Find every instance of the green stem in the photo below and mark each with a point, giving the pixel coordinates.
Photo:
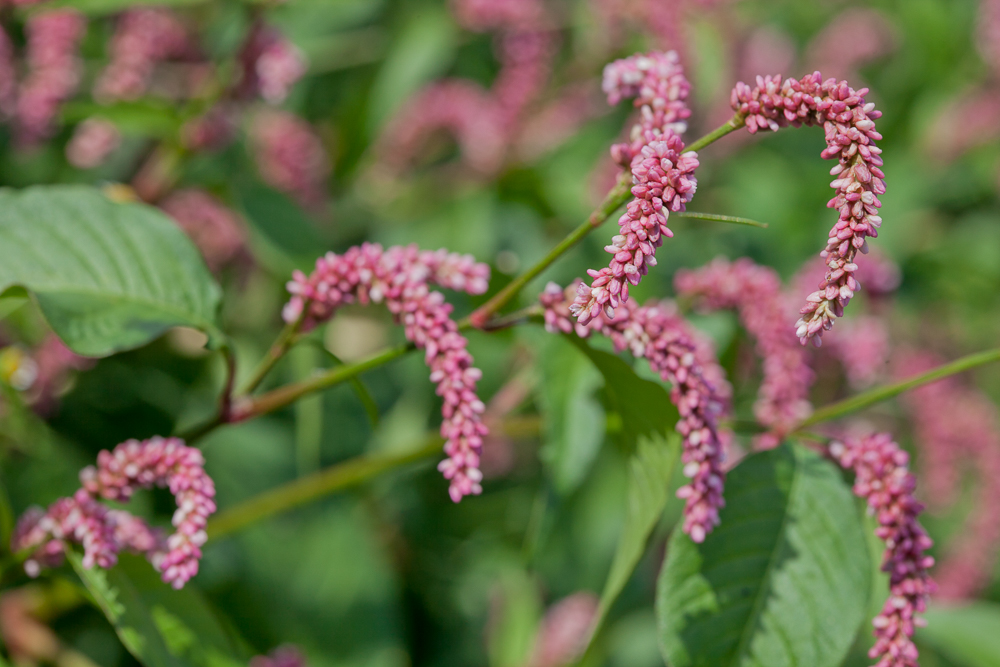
(278, 349)
(615, 199)
(719, 218)
(248, 408)
(731, 125)
(612, 202)
(879, 394)
(306, 489)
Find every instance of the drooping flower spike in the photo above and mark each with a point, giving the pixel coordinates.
(662, 175)
(756, 293)
(400, 277)
(883, 479)
(104, 533)
(657, 334)
(849, 124)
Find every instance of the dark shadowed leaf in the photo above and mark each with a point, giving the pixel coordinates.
(644, 406)
(107, 276)
(783, 581)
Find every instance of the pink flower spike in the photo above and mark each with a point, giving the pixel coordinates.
(848, 122)
(658, 334)
(400, 277)
(883, 478)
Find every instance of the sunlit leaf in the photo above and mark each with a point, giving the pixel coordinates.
(784, 580)
(107, 276)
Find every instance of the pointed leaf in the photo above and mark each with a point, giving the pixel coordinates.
(969, 635)
(574, 418)
(644, 406)
(783, 581)
(107, 276)
(157, 624)
(650, 471)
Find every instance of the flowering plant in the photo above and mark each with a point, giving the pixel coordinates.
(229, 226)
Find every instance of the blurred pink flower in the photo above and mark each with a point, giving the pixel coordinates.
(400, 276)
(564, 631)
(271, 65)
(217, 231)
(93, 141)
(848, 122)
(862, 345)
(957, 426)
(283, 656)
(53, 70)
(8, 77)
(290, 156)
(882, 477)
(755, 292)
(988, 33)
(856, 36)
(54, 364)
(970, 120)
(143, 37)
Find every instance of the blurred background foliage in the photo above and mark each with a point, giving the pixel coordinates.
(392, 573)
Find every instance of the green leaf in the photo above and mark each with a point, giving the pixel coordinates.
(159, 625)
(784, 580)
(574, 418)
(279, 220)
(419, 53)
(650, 471)
(644, 406)
(107, 276)
(969, 635)
(103, 7)
(115, 595)
(143, 118)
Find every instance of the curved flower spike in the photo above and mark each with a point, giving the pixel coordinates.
(849, 124)
(883, 479)
(658, 334)
(400, 277)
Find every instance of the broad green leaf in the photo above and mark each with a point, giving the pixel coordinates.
(783, 581)
(574, 418)
(518, 612)
(158, 625)
(116, 596)
(644, 406)
(968, 635)
(107, 276)
(650, 471)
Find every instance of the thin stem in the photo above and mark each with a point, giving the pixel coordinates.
(873, 396)
(248, 408)
(278, 349)
(612, 202)
(731, 125)
(615, 199)
(306, 489)
(720, 218)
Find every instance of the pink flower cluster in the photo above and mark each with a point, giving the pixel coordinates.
(53, 70)
(103, 533)
(884, 480)
(400, 277)
(656, 80)
(484, 123)
(657, 334)
(93, 141)
(849, 124)
(565, 631)
(143, 38)
(216, 230)
(955, 426)
(755, 292)
(290, 156)
(271, 65)
(663, 177)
